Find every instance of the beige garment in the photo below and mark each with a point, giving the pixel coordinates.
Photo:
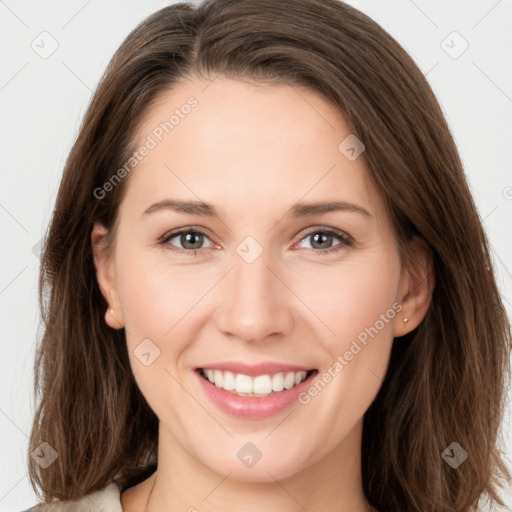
(107, 499)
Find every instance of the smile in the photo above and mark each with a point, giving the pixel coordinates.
(255, 396)
(258, 386)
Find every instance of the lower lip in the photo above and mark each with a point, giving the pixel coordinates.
(253, 407)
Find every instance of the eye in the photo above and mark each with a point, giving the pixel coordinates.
(191, 241)
(322, 239)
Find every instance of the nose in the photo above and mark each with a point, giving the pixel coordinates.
(254, 303)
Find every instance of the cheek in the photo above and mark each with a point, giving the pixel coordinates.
(157, 305)
(361, 311)
(352, 298)
(154, 297)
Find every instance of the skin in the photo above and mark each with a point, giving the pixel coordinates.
(253, 151)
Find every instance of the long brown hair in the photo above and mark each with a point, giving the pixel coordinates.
(446, 380)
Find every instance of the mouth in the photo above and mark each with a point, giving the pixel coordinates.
(256, 386)
(253, 392)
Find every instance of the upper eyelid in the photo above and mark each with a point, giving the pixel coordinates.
(173, 233)
(326, 229)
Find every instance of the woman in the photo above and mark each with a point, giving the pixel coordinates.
(266, 285)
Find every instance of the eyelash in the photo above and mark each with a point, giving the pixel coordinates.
(345, 240)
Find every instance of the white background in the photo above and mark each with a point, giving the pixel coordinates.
(43, 100)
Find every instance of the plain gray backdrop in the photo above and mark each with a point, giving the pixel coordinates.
(52, 56)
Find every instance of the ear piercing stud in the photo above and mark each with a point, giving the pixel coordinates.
(405, 319)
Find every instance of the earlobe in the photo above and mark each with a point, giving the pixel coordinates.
(105, 276)
(416, 287)
(111, 319)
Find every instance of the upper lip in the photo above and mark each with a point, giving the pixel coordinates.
(255, 369)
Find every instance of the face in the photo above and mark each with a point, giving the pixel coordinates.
(262, 287)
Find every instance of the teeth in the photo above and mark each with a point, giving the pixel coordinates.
(289, 380)
(278, 382)
(262, 385)
(243, 383)
(219, 378)
(229, 381)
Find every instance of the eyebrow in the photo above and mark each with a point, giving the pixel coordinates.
(298, 210)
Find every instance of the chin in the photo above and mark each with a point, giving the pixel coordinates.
(250, 464)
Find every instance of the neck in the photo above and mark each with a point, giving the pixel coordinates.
(183, 483)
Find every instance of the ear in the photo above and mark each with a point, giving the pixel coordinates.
(105, 274)
(416, 286)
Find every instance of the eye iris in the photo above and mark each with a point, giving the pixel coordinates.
(323, 236)
(195, 239)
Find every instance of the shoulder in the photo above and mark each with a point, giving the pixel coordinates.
(107, 499)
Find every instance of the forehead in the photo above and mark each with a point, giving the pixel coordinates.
(246, 145)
